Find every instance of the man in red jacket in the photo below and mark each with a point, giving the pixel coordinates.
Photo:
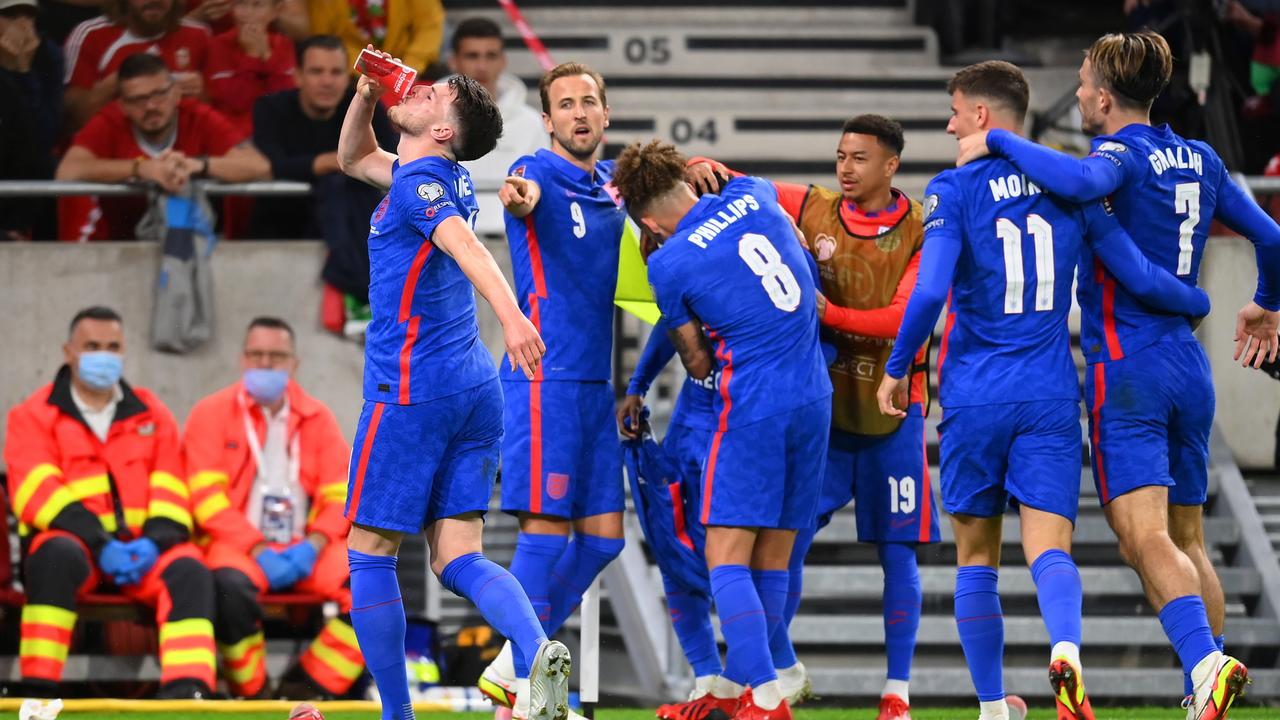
(267, 468)
(94, 475)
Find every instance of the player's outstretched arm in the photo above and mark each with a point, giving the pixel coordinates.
(691, 344)
(524, 345)
(880, 322)
(1258, 321)
(938, 260)
(1074, 179)
(358, 153)
(519, 195)
(1153, 285)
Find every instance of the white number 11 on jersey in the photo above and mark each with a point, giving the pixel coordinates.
(1042, 234)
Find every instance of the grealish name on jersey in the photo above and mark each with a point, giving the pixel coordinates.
(1180, 157)
(738, 209)
(1012, 186)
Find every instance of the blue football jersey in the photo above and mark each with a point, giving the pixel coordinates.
(1166, 203)
(734, 264)
(1006, 338)
(564, 256)
(422, 342)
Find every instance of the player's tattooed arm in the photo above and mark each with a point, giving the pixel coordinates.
(691, 345)
(358, 153)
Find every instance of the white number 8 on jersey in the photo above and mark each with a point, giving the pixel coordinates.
(775, 277)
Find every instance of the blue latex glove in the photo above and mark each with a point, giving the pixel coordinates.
(279, 571)
(302, 555)
(118, 561)
(143, 552)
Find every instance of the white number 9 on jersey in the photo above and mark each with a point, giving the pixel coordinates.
(775, 277)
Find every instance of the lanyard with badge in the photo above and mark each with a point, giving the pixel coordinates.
(279, 503)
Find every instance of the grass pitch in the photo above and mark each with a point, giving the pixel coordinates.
(1037, 713)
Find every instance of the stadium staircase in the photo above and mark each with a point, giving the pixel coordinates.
(764, 86)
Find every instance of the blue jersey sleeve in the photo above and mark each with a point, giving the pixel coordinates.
(667, 291)
(527, 166)
(657, 352)
(1153, 285)
(1240, 213)
(942, 243)
(1079, 181)
(427, 205)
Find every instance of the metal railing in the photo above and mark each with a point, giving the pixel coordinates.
(263, 188)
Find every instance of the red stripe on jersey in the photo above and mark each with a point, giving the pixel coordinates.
(365, 449)
(535, 257)
(926, 492)
(946, 339)
(1108, 310)
(535, 444)
(411, 280)
(677, 513)
(726, 373)
(1099, 397)
(406, 357)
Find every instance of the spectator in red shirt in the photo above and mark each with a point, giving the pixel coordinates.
(96, 48)
(152, 134)
(248, 61)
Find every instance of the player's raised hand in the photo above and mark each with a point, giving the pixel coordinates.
(892, 396)
(524, 345)
(1256, 330)
(367, 87)
(706, 176)
(971, 148)
(629, 408)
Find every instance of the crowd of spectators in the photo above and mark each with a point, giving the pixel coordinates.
(163, 92)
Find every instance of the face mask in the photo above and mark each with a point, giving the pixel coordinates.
(265, 386)
(100, 369)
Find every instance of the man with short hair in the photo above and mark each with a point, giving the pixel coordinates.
(152, 134)
(561, 459)
(267, 464)
(1153, 484)
(1004, 252)
(478, 53)
(730, 266)
(431, 427)
(298, 131)
(95, 478)
(866, 238)
(97, 47)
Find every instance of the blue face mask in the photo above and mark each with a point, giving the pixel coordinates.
(265, 386)
(100, 369)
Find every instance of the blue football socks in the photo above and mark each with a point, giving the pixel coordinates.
(377, 614)
(584, 558)
(780, 645)
(500, 599)
(535, 557)
(980, 622)
(1187, 625)
(1057, 582)
(902, 598)
(742, 621)
(691, 618)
